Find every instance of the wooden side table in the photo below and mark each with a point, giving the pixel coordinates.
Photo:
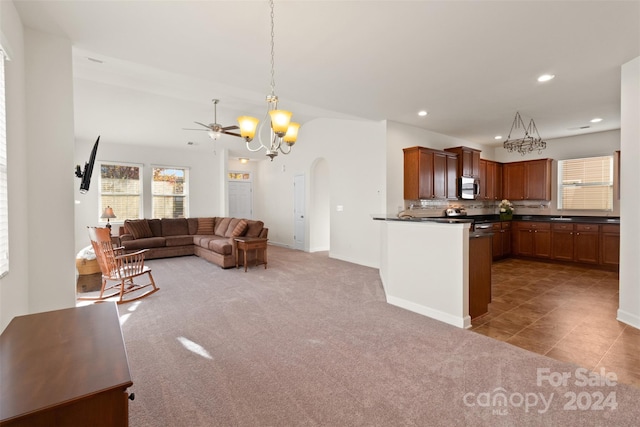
(245, 244)
(65, 367)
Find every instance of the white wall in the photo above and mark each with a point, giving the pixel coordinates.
(50, 147)
(14, 287)
(40, 151)
(355, 154)
(629, 310)
(587, 145)
(205, 178)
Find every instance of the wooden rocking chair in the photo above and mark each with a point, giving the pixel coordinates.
(118, 267)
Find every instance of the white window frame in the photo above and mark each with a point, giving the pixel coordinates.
(578, 185)
(184, 195)
(121, 215)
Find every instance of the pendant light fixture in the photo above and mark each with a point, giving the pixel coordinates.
(529, 142)
(283, 132)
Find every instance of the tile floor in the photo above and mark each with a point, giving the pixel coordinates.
(567, 313)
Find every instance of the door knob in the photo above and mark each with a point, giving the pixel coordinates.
(132, 396)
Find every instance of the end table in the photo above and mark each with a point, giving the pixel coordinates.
(245, 244)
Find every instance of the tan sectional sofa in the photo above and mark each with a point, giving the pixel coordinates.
(211, 238)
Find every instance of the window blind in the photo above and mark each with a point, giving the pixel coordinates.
(169, 189)
(4, 204)
(586, 183)
(120, 188)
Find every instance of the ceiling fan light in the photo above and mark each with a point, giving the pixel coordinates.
(280, 121)
(214, 135)
(292, 133)
(248, 127)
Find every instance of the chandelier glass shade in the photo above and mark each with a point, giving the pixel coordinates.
(281, 130)
(530, 141)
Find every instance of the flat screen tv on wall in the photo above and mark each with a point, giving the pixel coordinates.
(85, 175)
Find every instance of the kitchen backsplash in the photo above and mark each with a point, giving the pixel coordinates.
(436, 208)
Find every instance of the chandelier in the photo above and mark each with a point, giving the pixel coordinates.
(529, 142)
(283, 133)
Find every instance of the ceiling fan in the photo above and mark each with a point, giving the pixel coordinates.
(214, 129)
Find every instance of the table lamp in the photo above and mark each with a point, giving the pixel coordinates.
(108, 213)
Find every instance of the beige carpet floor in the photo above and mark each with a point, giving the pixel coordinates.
(310, 341)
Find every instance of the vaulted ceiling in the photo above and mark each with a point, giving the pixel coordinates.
(144, 70)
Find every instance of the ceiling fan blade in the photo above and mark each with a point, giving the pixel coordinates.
(202, 124)
(231, 133)
(231, 127)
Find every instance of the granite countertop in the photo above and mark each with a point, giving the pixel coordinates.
(439, 219)
(479, 219)
(551, 218)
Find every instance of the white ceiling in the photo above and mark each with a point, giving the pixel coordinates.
(471, 64)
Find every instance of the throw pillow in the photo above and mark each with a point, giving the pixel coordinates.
(205, 226)
(239, 229)
(222, 226)
(139, 228)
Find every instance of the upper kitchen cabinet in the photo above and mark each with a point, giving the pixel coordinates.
(528, 180)
(468, 161)
(490, 180)
(429, 174)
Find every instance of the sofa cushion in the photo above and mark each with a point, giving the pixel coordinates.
(221, 246)
(254, 228)
(221, 227)
(139, 228)
(179, 240)
(193, 225)
(156, 227)
(174, 227)
(205, 225)
(146, 243)
(239, 229)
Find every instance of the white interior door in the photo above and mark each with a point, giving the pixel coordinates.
(240, 204)
(298, 212)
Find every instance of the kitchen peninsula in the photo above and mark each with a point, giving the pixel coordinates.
(424, 266)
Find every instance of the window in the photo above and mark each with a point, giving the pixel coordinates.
(586, 184)
(121, 188)
(4, 204)
(170, 191)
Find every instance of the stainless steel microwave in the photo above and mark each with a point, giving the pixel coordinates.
(468, 188)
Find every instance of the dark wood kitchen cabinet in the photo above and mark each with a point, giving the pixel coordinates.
(531, 239)
(513, 181)
(501, 239)
(490, 180)
(528, 180)
(479, 274)
(575, 242)
(610, 245)
(468, 161)
(429, 174)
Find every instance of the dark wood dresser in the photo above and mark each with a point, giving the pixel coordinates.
(65, 368)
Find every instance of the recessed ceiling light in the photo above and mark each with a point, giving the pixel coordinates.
(497, 137)
(243, 159)
(422, 113)
(545, 77)
(596, 120)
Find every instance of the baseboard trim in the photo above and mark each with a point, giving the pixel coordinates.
(629, 319)
(459, 322)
